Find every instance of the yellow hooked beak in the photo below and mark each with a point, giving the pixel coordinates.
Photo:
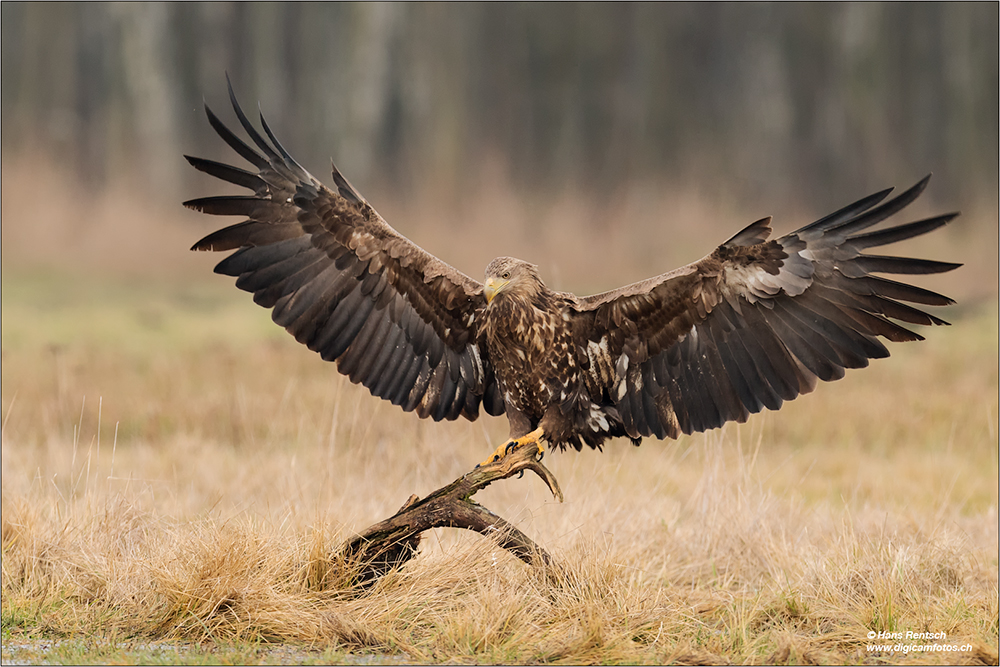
(493, 285)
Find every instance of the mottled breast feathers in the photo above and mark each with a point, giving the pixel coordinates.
(753, 324)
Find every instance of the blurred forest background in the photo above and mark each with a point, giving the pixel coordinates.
(769, 109)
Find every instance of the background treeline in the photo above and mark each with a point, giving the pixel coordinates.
(734, 99)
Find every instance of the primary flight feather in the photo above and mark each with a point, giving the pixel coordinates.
(755, 323)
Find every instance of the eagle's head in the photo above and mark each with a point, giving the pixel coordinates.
(510, 276)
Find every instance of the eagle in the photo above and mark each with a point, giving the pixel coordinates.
(756, 322)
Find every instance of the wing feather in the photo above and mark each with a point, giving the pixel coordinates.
(334, 339)
(773, 357)
(228, 173)
(750, 388)
(414, 385)
(343, 282)
(759, 322)
(394, 341)
(811, 352)
(727, 395)
(704, 412)
(356, 359)
(286, 286)
(395, 370)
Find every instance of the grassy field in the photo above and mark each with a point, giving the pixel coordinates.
(176, 472)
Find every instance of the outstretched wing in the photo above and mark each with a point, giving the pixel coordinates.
(757, 322)
(346, 284)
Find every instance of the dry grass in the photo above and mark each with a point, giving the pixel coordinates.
(177, 468)
(197, 490)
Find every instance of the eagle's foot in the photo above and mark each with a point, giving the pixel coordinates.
(533, 438)
(513, 458)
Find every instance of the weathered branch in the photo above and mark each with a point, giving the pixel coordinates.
(391, 543)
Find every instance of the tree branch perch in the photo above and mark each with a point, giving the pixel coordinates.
(390, 543)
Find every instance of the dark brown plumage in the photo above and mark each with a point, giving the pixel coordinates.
(751, 325)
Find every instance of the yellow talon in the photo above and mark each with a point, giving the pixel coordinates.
(535, 438)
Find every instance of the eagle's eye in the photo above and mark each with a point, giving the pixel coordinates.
(505, 275)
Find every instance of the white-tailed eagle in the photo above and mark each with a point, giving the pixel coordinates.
(755, 323)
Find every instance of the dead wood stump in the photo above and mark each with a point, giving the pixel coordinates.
(390, 543)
